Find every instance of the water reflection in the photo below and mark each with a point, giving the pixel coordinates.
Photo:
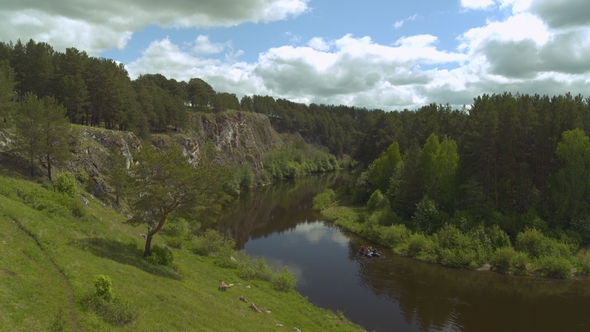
(394, 293)
(275, 208)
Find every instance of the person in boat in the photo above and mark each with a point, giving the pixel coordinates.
(363, 250)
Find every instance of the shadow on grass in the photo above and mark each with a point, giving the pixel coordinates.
(124, 253)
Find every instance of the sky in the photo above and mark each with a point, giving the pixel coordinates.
(378, 54)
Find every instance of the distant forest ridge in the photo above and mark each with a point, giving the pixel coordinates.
(98, 91)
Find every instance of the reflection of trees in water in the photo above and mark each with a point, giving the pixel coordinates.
(440, 298)
(275, 208)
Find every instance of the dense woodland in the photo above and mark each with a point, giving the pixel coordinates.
(508, 159)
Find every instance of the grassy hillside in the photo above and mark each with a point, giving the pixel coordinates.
(52, 247)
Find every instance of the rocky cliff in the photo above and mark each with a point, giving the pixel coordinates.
(237, 137)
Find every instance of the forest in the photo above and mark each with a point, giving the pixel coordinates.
(512, 160)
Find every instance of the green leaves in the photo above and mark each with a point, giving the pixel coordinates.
(572, 180)
(165, 183)
(43, 130)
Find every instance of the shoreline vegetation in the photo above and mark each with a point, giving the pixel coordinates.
(479, 248)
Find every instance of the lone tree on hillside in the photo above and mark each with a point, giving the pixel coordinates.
(164, 184)
(43, 131)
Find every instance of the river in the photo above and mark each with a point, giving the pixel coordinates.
(392, 293)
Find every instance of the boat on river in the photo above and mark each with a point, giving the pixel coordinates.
(369, 252)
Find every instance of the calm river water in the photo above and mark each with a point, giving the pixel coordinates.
(392, 293)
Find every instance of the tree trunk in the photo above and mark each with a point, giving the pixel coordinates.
(49, 168)
(148, 245)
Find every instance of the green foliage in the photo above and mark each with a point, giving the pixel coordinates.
(7, 84)
(554, 267)
(427, 216)
(160, 256)
(383, 168)
(292, 162)
(103, 287)
(164, 184)
(395, 235)
(501, 259)
(583, 263)
(519, 263)
(253, 268)
(324, 200)
(43, 131)
(177, 233)
(242, 178)
(377, 201)
(65, 183)
(572, 184)
(212, 242)
(113, 309)
(420, 246)
(458, 249)
(285, 280)
(83, 176)
(498, 237)
(51, 201)
(537, 245)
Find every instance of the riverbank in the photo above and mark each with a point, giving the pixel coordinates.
(53, 248)
(533, 254)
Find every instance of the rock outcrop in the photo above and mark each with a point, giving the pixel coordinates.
(237, 137)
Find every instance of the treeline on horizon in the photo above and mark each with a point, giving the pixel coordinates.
(508, 169)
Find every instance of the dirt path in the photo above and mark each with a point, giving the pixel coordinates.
(70, 294)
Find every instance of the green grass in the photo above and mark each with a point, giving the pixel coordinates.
(48, 262)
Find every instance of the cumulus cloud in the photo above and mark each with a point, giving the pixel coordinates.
(318, 44)
(348, 70)
(562, 13)
(477, 4)
(96, 25)
(204, 46)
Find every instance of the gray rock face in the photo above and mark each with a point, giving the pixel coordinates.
(237, 137)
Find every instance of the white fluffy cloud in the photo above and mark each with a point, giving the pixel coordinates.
(527, 46)
(96, 25)
(477, 4)
(348, 70)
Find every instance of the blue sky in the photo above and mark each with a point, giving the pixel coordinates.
(376, 54)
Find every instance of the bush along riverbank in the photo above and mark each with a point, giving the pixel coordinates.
(531, 253)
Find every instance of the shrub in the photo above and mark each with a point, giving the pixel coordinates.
(519, 263)
(498, 237)
(253, 268)
(534, 243)
(324, 200)
(554, 267)
(103, 287)
(389, 218)
(458, 249)
(112, 309)
(65, 183)
(51, 201)
(160, 256)
(583, 263)
(394, 235)
(502, 258)
(211, 242)
(284, 280)
(420, 246)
